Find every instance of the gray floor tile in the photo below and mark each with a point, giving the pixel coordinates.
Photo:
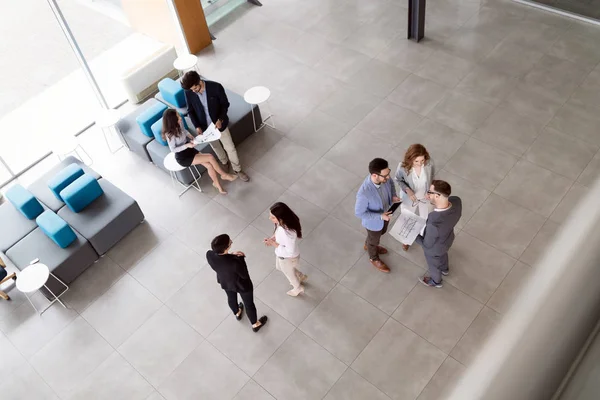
(512, 59)
(377, 78)
(461, 112)
(349, 104)
(440, 316)
(204, 374)
(25, 383)
(344, 212)
(510, 287)
(570, 46)
(113, 379)
(260, 259)
(569, 203)
(318, 132)
(475, 337)
(71, 356)
(308, 48)
(508, 131)
(417, 94)
(272, 292)
(445, 69)
(285, 162)
(167, 268)
(588, 93)
(468, 160)
(342, 63)
(527, 181)
(591, 173)
(560, 153)
(11, 357)
(580, 121)
(325, 184)
(471, 45)
(296, 363)
(381, 363)
(389, 122)
(352, 386)
(201, 302)
(137, 244)
(335, 26)
(343, 323)
(538, 37)
(333, 247)
(160, 345)
(249, 199)
(492, 22)
(371, 39)
(477, 268)
(309, 89)
(538, 246)
(247, 349)
(556, 77)
(253, 391)
(505, 225)
(532, 102)
(385, 291)
(443, 381)
(254, 147)
(405, 54)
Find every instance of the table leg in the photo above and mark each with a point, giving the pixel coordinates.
(84, 152)
(196, 177)
(32, 305)
(270, 116)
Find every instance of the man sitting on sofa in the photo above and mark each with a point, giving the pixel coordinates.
(207, 103)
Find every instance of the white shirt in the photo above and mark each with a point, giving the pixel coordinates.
(288, 247)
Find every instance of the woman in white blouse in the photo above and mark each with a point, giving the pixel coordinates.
(414, 176)
(285, 240)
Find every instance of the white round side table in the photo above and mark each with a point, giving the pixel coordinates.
(63, 145)
(185, 63)
(107, 120)
(33, 278)
(255, 96)
(173, 166)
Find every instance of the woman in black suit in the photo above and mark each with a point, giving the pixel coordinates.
(233, 276)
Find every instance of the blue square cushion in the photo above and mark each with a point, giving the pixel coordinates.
(150, 116)
(172, 92)
(64, 178)
(81, 193)
(157, 130)
(56, 228)
(24, 201)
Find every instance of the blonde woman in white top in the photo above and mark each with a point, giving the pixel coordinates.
(414, 176)
(285, 240)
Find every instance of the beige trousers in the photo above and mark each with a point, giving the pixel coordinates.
(289, 267)
(225, 150)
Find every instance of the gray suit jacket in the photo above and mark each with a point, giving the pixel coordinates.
(405, 180)
(439, 229)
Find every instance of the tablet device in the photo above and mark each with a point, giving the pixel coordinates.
(394, 207)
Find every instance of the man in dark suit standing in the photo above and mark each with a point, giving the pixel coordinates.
(208, 103)
(233, 276)
(439, 231)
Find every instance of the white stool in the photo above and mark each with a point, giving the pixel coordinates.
(107, 121)
(185, 63)
(173, 166)
(33, 278)
(258, 95)
(63, 145)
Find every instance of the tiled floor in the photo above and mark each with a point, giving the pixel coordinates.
(504, 96)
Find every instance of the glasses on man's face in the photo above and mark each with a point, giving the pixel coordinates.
(432, 192)
(385, 176)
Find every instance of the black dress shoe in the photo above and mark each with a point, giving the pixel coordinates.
(263, 321)
(241, 311)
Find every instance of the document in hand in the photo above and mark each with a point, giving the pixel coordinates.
(407, 227)
(210, 134)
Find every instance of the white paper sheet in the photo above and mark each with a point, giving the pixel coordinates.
(210, 134)
(407, 227)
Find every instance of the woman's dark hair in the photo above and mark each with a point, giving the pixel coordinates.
(171, 126)
(220, 243)
(191, 78)
(287, 218)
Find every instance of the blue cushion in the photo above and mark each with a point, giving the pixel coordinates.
(24, 201)
(56, 228)
(157, 130)
(81, 193)
(150, 116)
(64, 178)
(172, 92)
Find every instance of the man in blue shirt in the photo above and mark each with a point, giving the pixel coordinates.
(373, 199)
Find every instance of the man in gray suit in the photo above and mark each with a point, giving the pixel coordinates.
(439, 231)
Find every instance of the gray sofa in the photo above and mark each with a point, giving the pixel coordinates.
(98, 227)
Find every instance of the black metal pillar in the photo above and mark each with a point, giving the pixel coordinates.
(416, 19)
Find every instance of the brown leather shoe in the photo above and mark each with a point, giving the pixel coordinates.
(380, 250)
(380, 265)
(405, 247)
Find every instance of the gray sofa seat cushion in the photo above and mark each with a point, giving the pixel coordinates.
(132, 133)
(15, 226)
(40, 189)
(67, 264)
(107, 219)
(158, 152)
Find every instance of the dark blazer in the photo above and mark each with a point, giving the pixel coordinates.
(439, 229)
(218, 104)
(232, 272)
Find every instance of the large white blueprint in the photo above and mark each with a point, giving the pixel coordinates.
(407, 227)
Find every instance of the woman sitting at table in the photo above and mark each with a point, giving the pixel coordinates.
(181, 142)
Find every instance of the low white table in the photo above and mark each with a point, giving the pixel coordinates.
(185, 63)
(33, 278)
(107, 121)
(173, 166)
(258, 95)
